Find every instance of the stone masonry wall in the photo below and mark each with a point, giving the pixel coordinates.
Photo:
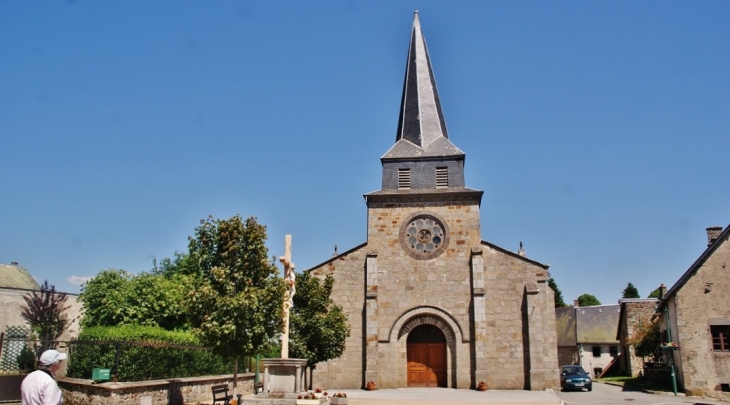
(637, 315)
(518, 299)
(155, 392)
(348, 292)
(383, 290)
(697, 305)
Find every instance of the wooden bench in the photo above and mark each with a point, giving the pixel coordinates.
(220, 394)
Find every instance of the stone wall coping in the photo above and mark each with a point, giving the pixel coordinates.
(121, 386)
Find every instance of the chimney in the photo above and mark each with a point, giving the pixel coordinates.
(576, 304)
(662, 291)
(713, 233)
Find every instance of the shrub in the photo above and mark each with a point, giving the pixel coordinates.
(144, 353)
(26, 360)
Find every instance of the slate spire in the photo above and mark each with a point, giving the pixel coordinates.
(421, 122)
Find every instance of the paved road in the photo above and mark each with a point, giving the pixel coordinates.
(604, 394)
(447, 396)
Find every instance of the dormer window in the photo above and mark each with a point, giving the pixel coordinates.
(404, 179)
(442, 177)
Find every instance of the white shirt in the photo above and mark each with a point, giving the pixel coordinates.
(39, 388)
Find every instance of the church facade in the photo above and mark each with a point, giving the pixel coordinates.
(429, 303)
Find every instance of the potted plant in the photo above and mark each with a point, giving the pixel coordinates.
(339, 399)
(319, 393)
(371, 386)
(482, 386)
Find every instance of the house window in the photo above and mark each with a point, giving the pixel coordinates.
(720, 338)
(613, 350)
(404, 178)
(596, 351)
(725, 387)
(442, 177)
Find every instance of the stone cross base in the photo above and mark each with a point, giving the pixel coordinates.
(284, 375)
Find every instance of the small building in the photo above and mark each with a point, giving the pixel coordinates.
(587, 336)
(567, 345)
(636, 314)
(15, 283)
(596, 328)
(697, 314)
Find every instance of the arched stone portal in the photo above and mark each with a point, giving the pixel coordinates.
(438, 322)
(426, 355)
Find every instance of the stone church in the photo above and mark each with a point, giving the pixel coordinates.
(429, 303)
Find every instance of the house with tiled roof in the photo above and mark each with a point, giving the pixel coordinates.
(15, 283)
(587, 336)
(694, 316)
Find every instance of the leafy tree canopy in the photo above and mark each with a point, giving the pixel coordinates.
(318, 328)
(647, 342)
(630, 292)
(45, 311)
(655, 293)
(587, 300)
(236, 304)
(180, 264)
(116, 297)
(559, 302)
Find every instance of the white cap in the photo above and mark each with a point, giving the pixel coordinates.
(50, 357)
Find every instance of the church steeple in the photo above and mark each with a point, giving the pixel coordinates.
(421, 123)
(423, 159)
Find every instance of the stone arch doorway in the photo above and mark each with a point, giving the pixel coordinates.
(426, 357)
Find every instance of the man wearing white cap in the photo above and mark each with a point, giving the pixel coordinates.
(39, 387)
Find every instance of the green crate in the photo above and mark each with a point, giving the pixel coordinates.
(101, 374)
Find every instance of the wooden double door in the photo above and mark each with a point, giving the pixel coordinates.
(426, 351)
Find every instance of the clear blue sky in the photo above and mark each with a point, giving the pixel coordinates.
(598, 131)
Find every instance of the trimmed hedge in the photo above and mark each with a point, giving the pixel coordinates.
(145, 353)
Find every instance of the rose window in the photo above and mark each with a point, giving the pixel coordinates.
(424, 236)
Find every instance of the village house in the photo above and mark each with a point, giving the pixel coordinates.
(697, 315)
(587, 336)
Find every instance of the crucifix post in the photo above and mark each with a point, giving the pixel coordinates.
(289, 296)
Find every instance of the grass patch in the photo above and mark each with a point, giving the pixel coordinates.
(638, 382)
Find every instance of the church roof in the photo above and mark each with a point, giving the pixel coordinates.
(421, 126)
(15, 276)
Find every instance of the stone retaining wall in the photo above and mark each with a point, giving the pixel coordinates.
(178, 391)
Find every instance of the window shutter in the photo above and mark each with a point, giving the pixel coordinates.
(404, 178)
(442, 177)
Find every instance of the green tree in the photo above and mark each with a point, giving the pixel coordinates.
(587, 300)
(45, 311)
(180, 264)
(630, 292)
(559, 302)
(647, 342)
(101, 297)
(116, 297)
(236, 306)
(318, 328)
(655, 293)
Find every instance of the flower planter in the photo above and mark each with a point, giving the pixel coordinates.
(338, 401)
(482, 386)
(309, 401)
(371, 386)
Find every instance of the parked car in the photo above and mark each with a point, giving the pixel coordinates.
(574, 378)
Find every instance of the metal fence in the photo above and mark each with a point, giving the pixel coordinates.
(137, 360)
(13, 342)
